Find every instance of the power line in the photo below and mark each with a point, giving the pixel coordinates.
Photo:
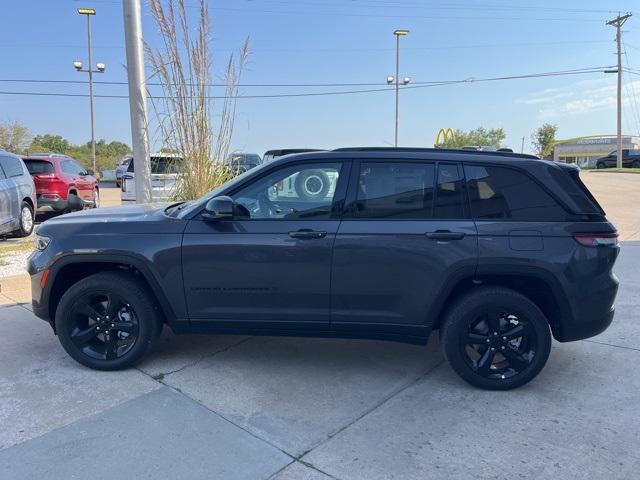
(296, 85)
(373, 15)
(407, 5)
(344, 92)
(334, 50)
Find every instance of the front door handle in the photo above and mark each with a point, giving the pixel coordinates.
(445, 235)
(305, 234)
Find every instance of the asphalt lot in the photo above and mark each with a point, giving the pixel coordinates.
(289, 408)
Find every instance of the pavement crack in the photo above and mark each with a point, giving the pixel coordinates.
(613, 345)
(161, 375)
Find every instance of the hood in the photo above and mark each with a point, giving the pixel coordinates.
(129, 219)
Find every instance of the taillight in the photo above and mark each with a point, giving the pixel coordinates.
(45, 176)
(597, 239)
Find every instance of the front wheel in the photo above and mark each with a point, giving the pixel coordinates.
(600, 166)
(107, 321)
(96, 198)
(496, 338)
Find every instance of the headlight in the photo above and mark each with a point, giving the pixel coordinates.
(42, 242)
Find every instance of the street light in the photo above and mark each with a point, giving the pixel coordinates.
(100, 68)
(396, 80)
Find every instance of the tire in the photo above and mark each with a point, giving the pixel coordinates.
(87, 310)
(312, 184)
(26, 221)
(96, 198)
(600, 166)
(507, 355)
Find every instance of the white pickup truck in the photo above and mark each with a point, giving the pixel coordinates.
(165, 168)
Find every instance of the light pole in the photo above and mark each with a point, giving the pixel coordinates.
(100, 67)
(396, 80)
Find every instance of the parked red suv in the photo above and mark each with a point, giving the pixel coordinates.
(62, 184)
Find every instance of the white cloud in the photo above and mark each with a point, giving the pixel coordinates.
(580, 98)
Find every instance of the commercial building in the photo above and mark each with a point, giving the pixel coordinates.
(586, 150)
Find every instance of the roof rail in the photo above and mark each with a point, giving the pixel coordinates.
(437, 150)
(47, 154)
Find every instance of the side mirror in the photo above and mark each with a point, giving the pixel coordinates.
(90, 172)
(219, 208)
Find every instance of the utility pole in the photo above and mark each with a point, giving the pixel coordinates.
(89, 12)
(137, 99)
(618, 22)
(522, 147)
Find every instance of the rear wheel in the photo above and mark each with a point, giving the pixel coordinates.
(107, 321)
(496, 338)
(600, 166)
(25, 221)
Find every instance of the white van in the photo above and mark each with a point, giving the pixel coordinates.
(165, 168)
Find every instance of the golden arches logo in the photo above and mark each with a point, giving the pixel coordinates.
(444, 136)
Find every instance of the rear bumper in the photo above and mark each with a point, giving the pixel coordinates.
(51, 205)
(585, 327)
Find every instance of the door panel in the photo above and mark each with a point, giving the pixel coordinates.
(399, 243)
(390, 272)
(271, 264)
(254, 271)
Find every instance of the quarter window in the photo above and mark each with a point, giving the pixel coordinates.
(12, 166)
(497, 192)
(292, 193)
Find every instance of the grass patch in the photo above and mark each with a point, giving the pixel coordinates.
(615, 170)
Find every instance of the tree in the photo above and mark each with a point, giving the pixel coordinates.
(49, 143)
(107, 153)
(479, 136)
(543, 138)
(14, 137)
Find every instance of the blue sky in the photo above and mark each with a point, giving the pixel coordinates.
(344, 41)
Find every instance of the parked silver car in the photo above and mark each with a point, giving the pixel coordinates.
(17, 196)
(121, 168)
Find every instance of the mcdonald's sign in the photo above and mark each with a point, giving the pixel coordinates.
(444, 136)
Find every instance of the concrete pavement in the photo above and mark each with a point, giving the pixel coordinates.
(281, 408)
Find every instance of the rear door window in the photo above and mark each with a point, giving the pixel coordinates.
(505, 193)
(70, 167)
(395, 190)
(39, 166)
(450, 192)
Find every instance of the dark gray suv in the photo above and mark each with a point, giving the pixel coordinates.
(498, 251)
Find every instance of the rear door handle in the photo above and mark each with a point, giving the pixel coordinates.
(307, 234)
(445, 235)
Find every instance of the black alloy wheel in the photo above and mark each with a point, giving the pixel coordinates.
(498, 344)
(104, 326)
(496, 338)
(108, 321)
